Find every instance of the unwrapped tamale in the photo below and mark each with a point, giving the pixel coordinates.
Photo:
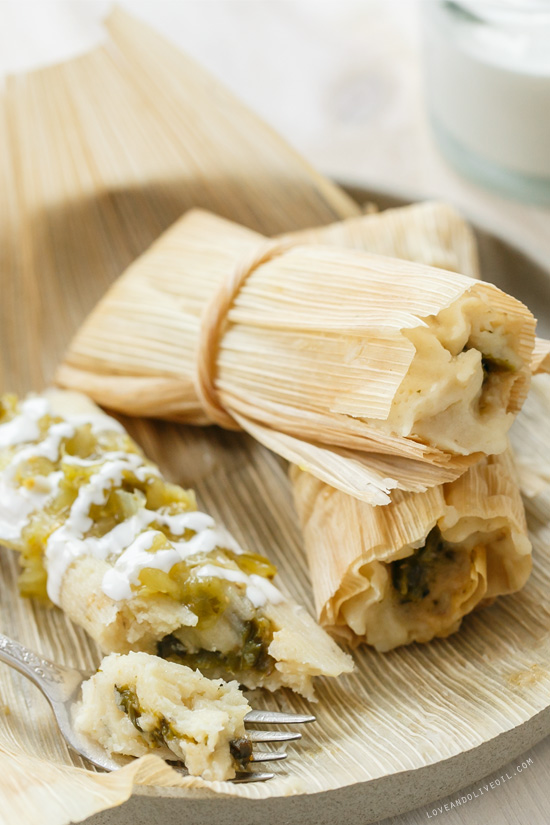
(128, 557)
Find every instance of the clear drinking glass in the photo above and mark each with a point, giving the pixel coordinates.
(487, 70)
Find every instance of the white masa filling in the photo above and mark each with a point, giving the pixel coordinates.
(180, 713)
(446, 398)
(379, 615)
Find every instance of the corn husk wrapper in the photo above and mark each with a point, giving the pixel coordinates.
(164, 386)
(530, 438)
(431, 233)
(290, 343)
(69, 794)
(540, 362)
(350, 544)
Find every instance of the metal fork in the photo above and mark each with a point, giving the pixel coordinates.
(62, 688)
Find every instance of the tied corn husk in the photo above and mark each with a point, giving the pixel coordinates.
(164, 386)
(351, 547)
(301, 358)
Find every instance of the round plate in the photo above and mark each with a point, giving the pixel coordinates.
(406, 727)
(409, 726)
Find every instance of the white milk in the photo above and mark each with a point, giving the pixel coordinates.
(488, 87)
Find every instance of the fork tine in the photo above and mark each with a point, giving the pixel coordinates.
(241, 777)
(274, 717)
(271, 736)
(267, 756)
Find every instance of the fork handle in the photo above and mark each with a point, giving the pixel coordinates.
(50, 678)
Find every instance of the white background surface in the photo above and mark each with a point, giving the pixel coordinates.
(341, 80)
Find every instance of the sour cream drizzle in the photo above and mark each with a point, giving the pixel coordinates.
(258, 589)
(127, 547)
(18, 502)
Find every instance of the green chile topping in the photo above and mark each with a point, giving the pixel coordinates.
(492, 365)
(241, 750)
(412, 575)
(252, 655)
(207, 598)
(128, 702)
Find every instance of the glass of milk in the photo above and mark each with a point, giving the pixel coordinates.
(487, 72)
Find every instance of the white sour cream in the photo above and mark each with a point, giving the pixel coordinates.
(259, 590)
(24, 427)
(19, 501)
(117, 582)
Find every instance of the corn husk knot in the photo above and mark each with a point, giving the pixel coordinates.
(212, 326)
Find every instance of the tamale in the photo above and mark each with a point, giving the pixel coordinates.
(128, 557)
(355, 583)
(430, 233)
(373, 373)
(410, 571)
(138, 704)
